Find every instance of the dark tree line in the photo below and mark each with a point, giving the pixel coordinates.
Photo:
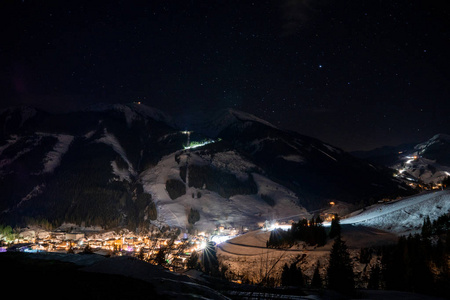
(193, 216)
(292, 275)
(335, 229)
(219, 181)
(312, 232)
(175, 188)
(419, 263)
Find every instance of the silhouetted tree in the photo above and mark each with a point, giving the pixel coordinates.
(141, 254)
(175, 188)
(209, 260)
(335, 229)
(340, 270)
(192, 262)
(193, 216)
(311, 232)
(365, 254)
(316, 281)
(374, 279)
(280, 238)
(292, 276)
(160, 258)
(87, 249)
(427, 228)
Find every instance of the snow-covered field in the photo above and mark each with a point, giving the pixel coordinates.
(248, 256)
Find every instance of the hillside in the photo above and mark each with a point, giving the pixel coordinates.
(403, 216)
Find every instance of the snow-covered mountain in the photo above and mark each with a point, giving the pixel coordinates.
(129, 165)
(428, 162)
(212, 123)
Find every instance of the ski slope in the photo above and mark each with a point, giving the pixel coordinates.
(403, 216)
(236, 211)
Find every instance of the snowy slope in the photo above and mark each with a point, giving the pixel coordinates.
(236, 211)
(403, 216)
(426, 170)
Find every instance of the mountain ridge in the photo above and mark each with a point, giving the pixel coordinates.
(125, 165)
(425, 162)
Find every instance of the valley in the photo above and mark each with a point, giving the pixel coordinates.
(126, 181)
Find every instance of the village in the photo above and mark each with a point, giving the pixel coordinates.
(170, 248)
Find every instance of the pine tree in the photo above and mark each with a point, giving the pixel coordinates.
(316, 281)
(427, 229)
(285, 276)
(335, 229)
(210, 262)
(141, 254)
(340, 270)
(374, 279)
(160, 258)
(192, 262)
(292, 276)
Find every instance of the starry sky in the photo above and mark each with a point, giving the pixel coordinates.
(356, 74)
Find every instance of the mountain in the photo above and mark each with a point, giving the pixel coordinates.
(386, 155)
(316, 171)
(427, 162)
(81, 165)
(130, 165)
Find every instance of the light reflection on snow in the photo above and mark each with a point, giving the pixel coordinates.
(221, 238)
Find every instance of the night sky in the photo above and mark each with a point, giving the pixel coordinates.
(356, 74)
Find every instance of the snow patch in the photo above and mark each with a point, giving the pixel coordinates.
(89, 134)
(110, 140)
(435, 139)
(36, 191)
(121, 173)
(53, 158)
(249, 117)
(332, 149)
(11, 141)
(293, 158)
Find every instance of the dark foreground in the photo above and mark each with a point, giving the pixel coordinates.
(91, 276)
